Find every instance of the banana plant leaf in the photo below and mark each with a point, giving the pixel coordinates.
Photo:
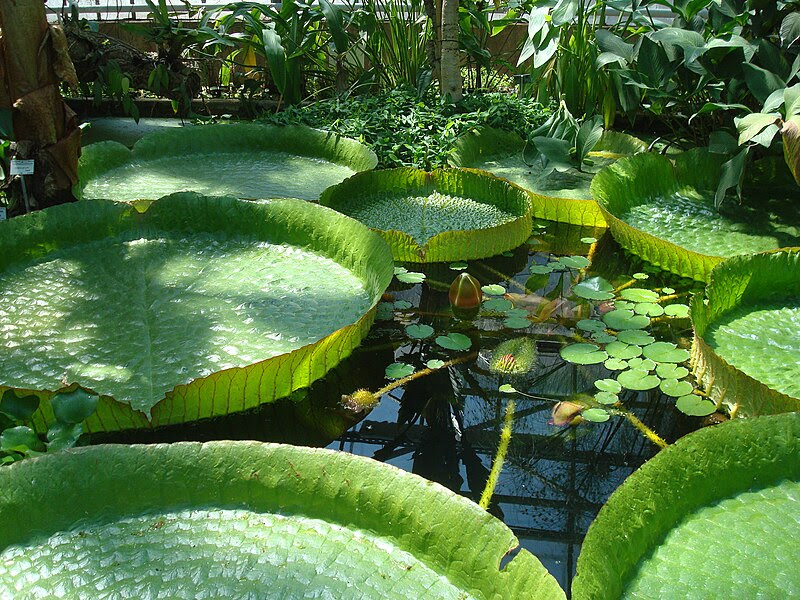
(247, 519)
(198, 307)
(450, 214)
(715, 515)
(558, 195)
(243, 160)
(746, 348)
(662, 210)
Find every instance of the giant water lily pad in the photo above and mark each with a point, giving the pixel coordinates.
(198, 307)
(445, 215)
(244, 160)
(248, 520)
(746, 349)
(125, 130)
(557, 196)
(715, 515)
(662, 209)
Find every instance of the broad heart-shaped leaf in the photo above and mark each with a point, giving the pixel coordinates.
(740, 479)
(71, 407)
(196, 308)
(18, 406)
(556, 196)
(244, 160)
(446, 215)
(277, 514)
(746, 349)
(663, 210)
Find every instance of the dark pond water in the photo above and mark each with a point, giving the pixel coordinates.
(446, 426)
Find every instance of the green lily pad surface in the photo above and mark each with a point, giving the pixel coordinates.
(715, 515)
(243, 160)
(663, 211)
(244, 519)
(440, 216)
(558, 195)
(746, 350)
(125, 130)
(207, 294)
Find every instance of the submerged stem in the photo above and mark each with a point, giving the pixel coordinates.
(644, 429)
(499, 459)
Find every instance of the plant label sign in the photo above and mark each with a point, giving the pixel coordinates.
(3, 215)
(21, 167)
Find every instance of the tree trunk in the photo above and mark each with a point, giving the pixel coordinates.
(432, 47)
(450, 83)
(33, 60)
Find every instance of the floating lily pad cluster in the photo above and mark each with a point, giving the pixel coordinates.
(621, 342)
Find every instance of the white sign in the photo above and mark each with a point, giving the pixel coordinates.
(3, 215)
(21, 167)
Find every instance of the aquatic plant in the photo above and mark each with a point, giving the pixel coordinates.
(746, 348)
(276, 513)
(662, 209)
(465, 296)
(446, 215)
(197, 307)
(516, 356)
(560, 194)
(715, 514)
(244, 160)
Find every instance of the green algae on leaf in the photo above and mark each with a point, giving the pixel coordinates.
(723, 519)
(441, 216)
(275, 513)
(243, 160)
(177, 313)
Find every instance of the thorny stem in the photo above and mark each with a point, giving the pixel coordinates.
(500, 457)
(644, 429)
(624, 286)
(422, 373)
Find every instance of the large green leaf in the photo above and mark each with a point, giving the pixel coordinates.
(198, 307)
(713, 516)
(557, 195)
(451, 214)
(746, 349)
(125, 130)
(663, 211)
(244, 160)
(245, 519)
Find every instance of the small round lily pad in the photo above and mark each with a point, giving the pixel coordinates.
(665, 352)
(594, 288)
(434, 363)
(583, 354)
(695, 406)
(591, 325)
(678, 311)
(675, 388)
(638, 379)
(398, 370)
(459, 265)
(516, 323)
(595, 415)
(419, 332)
(671, 371)
(649, 309)
(639, 295)
(637, 337)
(493, 290)
(588, 240)
(606, 397)
(507, 388)
(541, 269)
(615, 364)
(454, 341)
(601, 337)
(623, 351)
(575, 262)
(620, 319)
(498, 304)
(608, 385)
(402, 304)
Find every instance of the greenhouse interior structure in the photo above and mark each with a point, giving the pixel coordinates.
(400, 299)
